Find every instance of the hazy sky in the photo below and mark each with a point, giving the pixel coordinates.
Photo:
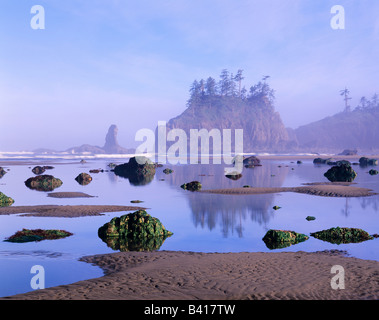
(131, 62)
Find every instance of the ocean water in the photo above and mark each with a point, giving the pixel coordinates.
(200, 222)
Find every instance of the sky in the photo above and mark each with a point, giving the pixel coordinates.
(131, 63)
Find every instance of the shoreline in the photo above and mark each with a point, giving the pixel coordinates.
(177, 275)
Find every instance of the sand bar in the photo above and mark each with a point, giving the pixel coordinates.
(69, 195)
(170, 275)
(65, 211)
(316, 189)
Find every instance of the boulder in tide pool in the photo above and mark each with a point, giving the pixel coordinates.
(137, 231)
(275, 239)
(83, 178)
(139, 170)
(5, 201)
(340, 235)
(28, 235)
(364, 161)
(43, 183)
(341, 173)
(191, 186)
(373, 172)
(2, 172)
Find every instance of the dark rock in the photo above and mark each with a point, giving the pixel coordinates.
(342, 235)
(275, 239)
(167, 171)
(139, 170)
(2, 172)
(251, 162)
(321, 161)
(137, 231)
(373, 172)
(5, 201)
(83, 178)
(309, 218)
(43, 183)
(342, 173)
(192, 186)
(299, 162)
(276, 207)
(27, 235)
(234, 175)
(364, 161)
(38, 170)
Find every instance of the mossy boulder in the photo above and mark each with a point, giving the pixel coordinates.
(38, 170)
(137, 231)
(192, 186)
(29, 235)
(340, 235)
(310, 218)
(5, 201)
(83, 178)
(341, 173)
(364, 161)
(2, 172)
(373, 172)
(43, 183)
(276, 239)
(139, 170)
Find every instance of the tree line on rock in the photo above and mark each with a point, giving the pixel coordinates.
(230, 85)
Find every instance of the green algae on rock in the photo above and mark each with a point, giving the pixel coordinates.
(341, 173)
(191, 186)
(137, 231)
(276, 239)
(83, 178)
(310, 218)
(167, 171)
(43, 183)
(2, 172)
(29, 235)
(5, 201)
(340, 235)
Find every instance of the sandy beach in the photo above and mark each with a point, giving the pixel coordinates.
(65, 211)
(166, 275)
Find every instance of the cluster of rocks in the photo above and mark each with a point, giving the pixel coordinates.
(276, 239)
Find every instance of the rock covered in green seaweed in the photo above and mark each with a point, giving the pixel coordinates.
(43, 183)
(275, 239)
(340, 235)
(137, 231)
(167, 171)
(5, 201)
(341, 173)
(83, 178)
(139, 170)
(29, 235)
(191, 186)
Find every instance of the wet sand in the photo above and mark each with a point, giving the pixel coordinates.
(169, 275)
(316, 189)
(65, 211)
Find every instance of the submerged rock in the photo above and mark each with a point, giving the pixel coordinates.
(191, 186)
(373, 172)
(139, 170)
(28, 235)
(83, 178)
(137, 231)
(341, 173)
(43, 183)
(275, 239)
(5, 201)
(342, 235)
